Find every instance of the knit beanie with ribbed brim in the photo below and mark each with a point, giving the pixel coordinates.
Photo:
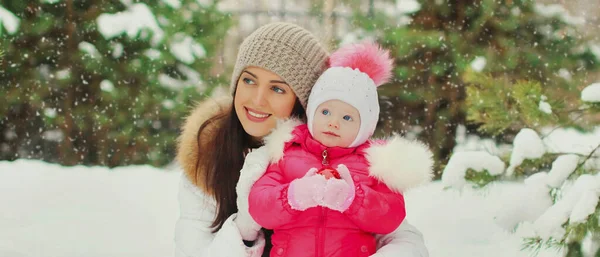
(291, 52)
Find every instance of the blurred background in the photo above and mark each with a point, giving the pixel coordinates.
(109, 82)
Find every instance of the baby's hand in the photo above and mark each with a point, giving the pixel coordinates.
(329, 173)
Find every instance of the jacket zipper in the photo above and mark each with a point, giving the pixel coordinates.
(321, 227)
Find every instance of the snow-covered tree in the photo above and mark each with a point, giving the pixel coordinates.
(562, 172)
(437, 42)
(103, 82)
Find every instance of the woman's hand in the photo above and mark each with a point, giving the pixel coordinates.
(255, 165)
(339, 193)
(306, 192)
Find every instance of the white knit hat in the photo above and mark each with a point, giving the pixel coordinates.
(353, 77)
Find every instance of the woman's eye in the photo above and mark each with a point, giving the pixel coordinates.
(347, 117)
(325, 112)
(248, 81)
(277, 90)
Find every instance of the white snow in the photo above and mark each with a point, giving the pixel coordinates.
(591, 93)
(519, 202)
(107, 86)
(590, 245)
(565, 74)
(595, 48)
(153, 54)
(185, 49)
(354, 36)
(562, 168)
(526, 145)
(545, 106)
(50, 112)
(408, 6)
(532, 212)
(170, 82)
(478, 64)
(133, 21)
(460, 162)
(465, 222)
(550, 223)
(63, 74)
(175, 4)
(89, 49)
(585, 206)
(208, 3)
(55, 135)
(468, 142)
(49, 210)
(192, 79)
(516, 11)
(593, 163)
(557, 10)
(571, 141)
(168, 104)
(9, 21)
(117, 50)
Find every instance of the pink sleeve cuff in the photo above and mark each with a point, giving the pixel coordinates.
(289, 202)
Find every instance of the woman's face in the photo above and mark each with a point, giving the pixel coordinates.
(261, 97)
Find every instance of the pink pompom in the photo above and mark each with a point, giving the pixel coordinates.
(366, 57)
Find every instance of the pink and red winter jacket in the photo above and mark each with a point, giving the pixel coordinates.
(319, 231)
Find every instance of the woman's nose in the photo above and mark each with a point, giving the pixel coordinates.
(260, 97)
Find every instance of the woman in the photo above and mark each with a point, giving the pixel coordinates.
(276, 68)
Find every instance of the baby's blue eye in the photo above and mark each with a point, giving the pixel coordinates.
(325, 112)
(347, 117)
(248, 81)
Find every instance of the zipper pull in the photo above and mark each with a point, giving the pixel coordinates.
(325, 162)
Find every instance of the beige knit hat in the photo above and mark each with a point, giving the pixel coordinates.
(291, 52)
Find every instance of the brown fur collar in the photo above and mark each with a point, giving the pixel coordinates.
(187, 144)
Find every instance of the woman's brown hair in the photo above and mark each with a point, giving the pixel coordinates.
(225, 153)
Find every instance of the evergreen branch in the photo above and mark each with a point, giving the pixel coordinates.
(561, 126)
(563, 153)
(480, 178)
(587, 157)
(535, 244)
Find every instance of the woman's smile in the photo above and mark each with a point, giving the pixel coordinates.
(256, 116)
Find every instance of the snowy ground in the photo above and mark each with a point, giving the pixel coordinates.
(49, 210)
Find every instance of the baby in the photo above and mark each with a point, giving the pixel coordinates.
(329, 189)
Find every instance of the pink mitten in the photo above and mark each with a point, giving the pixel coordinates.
(306, 192)
(339, 193)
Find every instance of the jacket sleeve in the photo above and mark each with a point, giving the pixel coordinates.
(193, 232)
(379, 203)
(268, 202)
(405, 241)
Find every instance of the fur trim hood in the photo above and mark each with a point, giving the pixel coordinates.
(187, 143)
(396, 161)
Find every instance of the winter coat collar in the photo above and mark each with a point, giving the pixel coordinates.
(396, 161)
(302, 137)
(187, 144)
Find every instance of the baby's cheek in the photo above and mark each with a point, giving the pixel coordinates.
(347, 140)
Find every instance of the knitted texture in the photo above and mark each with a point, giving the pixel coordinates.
(291, 52)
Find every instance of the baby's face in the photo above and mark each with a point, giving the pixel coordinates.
(335, 123)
